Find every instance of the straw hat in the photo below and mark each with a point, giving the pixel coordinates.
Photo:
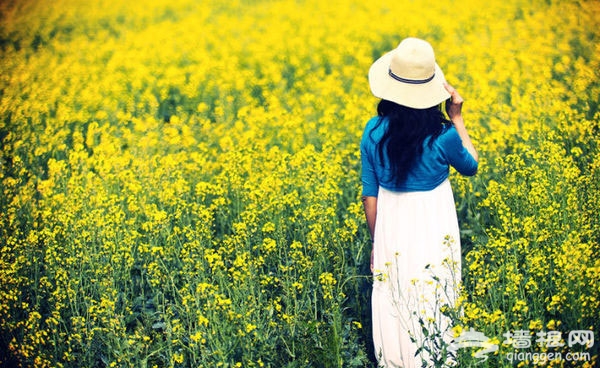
(409, 76)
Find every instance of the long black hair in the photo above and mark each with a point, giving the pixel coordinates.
(406, 131)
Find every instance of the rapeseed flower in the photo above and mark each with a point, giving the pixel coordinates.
(180, 179)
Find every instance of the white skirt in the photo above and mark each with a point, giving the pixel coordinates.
(416, 269)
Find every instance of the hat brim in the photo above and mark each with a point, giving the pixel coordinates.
(418, 96)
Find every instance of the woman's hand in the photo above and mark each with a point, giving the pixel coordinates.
(454, 111)
(454, 104)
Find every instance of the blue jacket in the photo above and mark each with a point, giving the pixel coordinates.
(429, 171)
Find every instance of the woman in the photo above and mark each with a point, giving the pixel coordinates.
(406, 153)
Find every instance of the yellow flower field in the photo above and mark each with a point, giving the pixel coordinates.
(181, 179)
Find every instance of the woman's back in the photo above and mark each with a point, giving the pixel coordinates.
(429, 170)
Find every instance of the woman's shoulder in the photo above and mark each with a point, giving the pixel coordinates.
(448, 138)
(448, 132)
(374, 127)
(373, 122)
